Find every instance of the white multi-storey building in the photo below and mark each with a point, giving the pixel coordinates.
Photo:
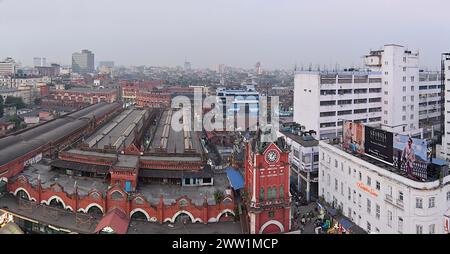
(378, 199)
(304, 161)
(322, 100)
(8, 67)
(390, 94)
(444, 149)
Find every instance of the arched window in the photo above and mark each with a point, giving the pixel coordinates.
(261, 194)
(281, 192)
(116, 195)
(274, 192)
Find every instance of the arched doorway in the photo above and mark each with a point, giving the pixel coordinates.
(95, 212)
(138, 215)
(22, 195)
(272, 229)
(226, 216)
(56, 203)
(183, 218)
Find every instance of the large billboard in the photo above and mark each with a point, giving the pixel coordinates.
(353, 136)
(410, 154)
(379, 144)
(401, 151)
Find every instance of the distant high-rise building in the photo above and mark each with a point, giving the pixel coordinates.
(83, 62)
(39, 61)
(8, 67)
(187, 66)
(258, 68)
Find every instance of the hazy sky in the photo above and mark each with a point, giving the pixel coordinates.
(279, 33)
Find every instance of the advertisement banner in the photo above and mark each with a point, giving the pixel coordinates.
(410, 154)
(353, 137)
(379, 144)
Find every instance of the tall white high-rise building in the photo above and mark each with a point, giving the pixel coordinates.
(39, 61)
(385, 94)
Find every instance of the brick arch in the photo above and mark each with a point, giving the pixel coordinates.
(55, 197)
(142, 211)
(271, 222)
(86, 210)
(24, 190)
(172, 220)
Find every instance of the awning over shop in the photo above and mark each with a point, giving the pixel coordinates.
(345, 224)
(235, 178)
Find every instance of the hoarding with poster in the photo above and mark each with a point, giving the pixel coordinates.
(410, 154)
(353, 137)
(379, 144)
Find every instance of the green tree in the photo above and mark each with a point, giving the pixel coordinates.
(15, 101)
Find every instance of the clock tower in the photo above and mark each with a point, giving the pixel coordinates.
(267, 198)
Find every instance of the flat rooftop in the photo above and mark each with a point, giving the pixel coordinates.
(390, 168)
(119, 130)
(305, 141)
(49, 177)
(151, 191)
(197, 194)
(171, 141)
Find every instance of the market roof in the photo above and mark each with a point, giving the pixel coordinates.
(17, 145)
(116, 220)
(206, 172)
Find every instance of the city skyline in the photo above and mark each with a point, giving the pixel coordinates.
(280, 35)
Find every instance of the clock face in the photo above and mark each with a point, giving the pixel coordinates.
(272, 156)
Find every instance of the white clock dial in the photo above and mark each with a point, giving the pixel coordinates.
(272, 156)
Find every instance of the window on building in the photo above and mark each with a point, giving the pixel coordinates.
(335, 184)
(403, 118)
(342, 166)
(377, 211)
(342, 188)
(350, 172)
(412, 98)
(349, 193)
(404, 98)
(335, 163)
(281, 192)
(369, 227)
(419, 229)
(412, 78)
(360, 176)
(328, 180)
(389, 190)
(389, 218)
(404, 59)
(400, 225)
(400, 195)
(369, 181)
(431, 229)
(411, 117)
(369, 206)
(448, 196)
(378, 186)
(431, 202)
(404, 108)
(261, 194)
(404, 68)
(359, 200)
(412, 88)
(271, 214)
(419, 203)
